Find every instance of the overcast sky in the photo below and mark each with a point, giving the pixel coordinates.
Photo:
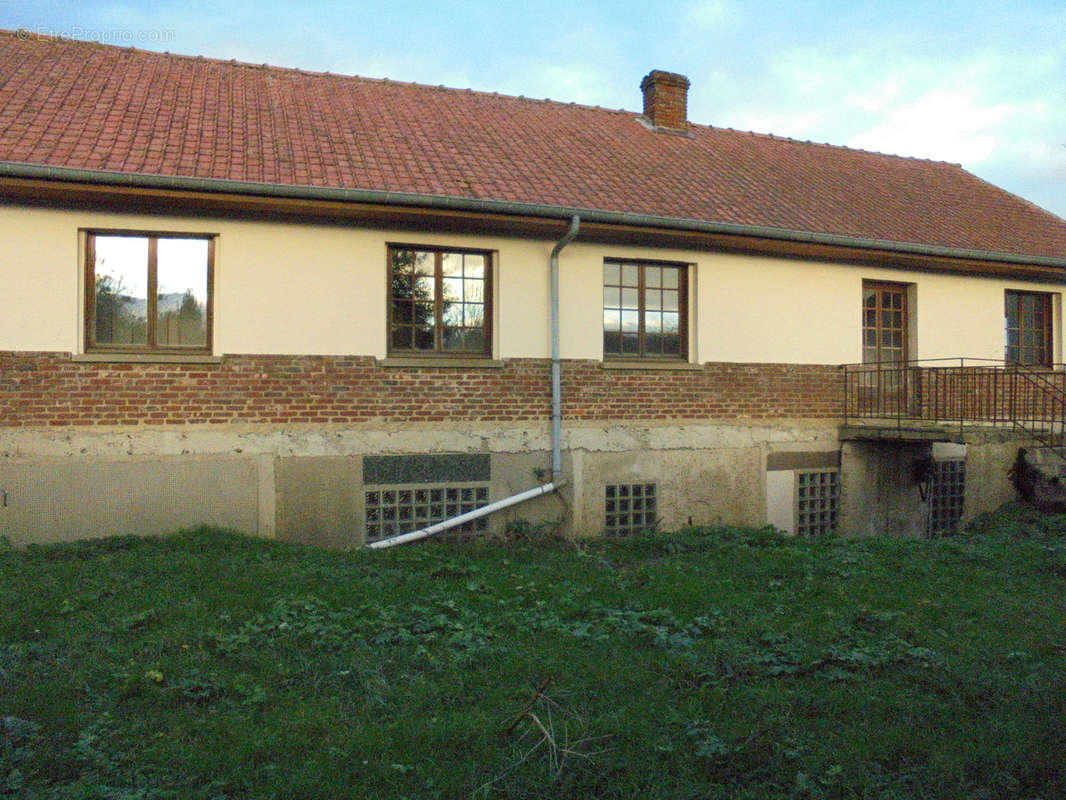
(979, 83)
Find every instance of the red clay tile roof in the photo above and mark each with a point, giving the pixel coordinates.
(88, 106)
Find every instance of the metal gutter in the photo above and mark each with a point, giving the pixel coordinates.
(10, 169)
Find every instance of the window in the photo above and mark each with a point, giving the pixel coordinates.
(1029, 328)
(148, 292)
(440, 302)
(630, 508)
(947, 495)
(395, 510)
(644, 310)
(817, 502)
(884, 322)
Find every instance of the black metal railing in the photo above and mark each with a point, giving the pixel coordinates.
(959, 391)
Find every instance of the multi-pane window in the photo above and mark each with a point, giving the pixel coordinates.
(884, 322)
(817, 502)
(630, 508)
(947, 495)
(439, 301)
(148, 292)
(395, 510)
(1028, 323)
(644, 310)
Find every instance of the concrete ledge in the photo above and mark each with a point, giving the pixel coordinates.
(650, 364)
(464, 363)
(147, 358)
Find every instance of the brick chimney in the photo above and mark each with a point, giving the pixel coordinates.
(666, 100)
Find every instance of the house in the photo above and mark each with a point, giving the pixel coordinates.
(323, 308)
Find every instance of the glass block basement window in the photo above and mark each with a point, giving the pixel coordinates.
(630, 508)
(393, 510)
(947, 490)
(817, 502)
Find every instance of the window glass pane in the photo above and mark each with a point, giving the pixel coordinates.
(612, 342)
(181, 298)
(453, 315)
(424, 288)
(612, 319)
(612, 273)
(671, 344)
(474, 266)
(653, 277)
(630, 298)
(630, 321)
(671, 300)
(473, 315)
(612, 297)
(452, 289)
(473, 290)
(671, 322)
(451, 264)
(653, 299)
(475, 340)
(424, 339)
(653, 322)
(630, 344)
(670, 277)
(401, 338)
(630, 275)
(121, 297)
(452, 338)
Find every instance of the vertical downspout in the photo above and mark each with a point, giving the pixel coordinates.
(557, 382)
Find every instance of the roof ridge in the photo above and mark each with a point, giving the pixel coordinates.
(275, 68)
(830, 145)
(25, 34)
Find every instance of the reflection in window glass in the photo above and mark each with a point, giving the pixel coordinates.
(123, 270)
(438, 301)
(643, 310)
(121, 281)
(181, 295)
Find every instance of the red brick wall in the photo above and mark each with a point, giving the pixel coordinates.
(38, 389)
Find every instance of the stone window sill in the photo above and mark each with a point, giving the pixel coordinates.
(147, 358)
(463, 363)
(650, 364)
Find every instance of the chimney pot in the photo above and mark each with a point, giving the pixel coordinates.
(666, 100)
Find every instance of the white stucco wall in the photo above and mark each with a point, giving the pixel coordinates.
(289, 288)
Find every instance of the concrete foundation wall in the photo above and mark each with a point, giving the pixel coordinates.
(306, 484)
(54, 501)
(880, 493)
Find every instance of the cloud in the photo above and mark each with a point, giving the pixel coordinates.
(712, 14)
(942, 124)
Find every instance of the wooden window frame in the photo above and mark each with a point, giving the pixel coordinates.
(152, 281)
(682, 306)
(1046, 349)
(901, 289)
(438, 350)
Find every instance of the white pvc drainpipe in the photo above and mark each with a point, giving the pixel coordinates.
(404, 538)
(557, 427)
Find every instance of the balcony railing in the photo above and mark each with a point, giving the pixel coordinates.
(958, 392)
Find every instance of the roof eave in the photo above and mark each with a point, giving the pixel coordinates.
(70, 175)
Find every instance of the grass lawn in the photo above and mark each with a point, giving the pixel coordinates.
(703, 664)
